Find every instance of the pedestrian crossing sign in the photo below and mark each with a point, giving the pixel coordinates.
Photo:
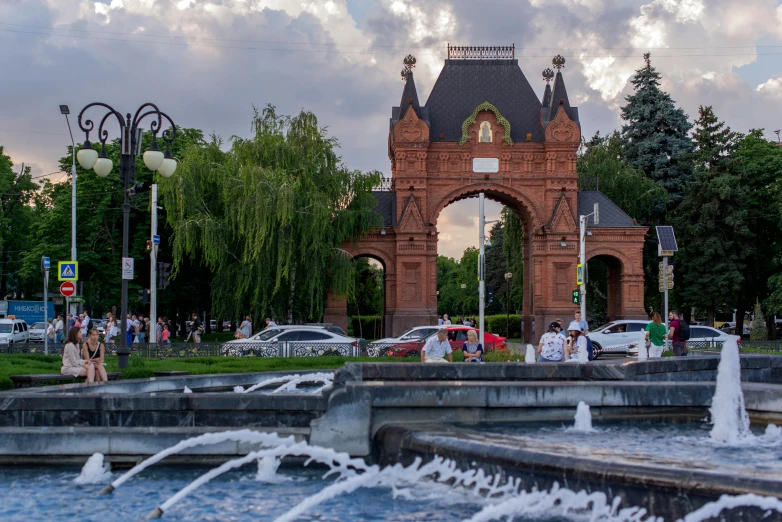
(68, 270)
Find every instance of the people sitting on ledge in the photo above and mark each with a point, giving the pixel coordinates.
(576, 344)
(472, 349)
(436, 348)
(72, 363)
(551, 347)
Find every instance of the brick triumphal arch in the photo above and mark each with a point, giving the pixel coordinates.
(483, 129)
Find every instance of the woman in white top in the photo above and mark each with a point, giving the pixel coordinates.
(576, 344)
(446, 320)
(551, 347)
(72, 363)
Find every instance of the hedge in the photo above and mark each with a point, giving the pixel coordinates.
(367, 326)
(496, 324)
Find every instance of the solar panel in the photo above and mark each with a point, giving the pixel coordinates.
(666, 239)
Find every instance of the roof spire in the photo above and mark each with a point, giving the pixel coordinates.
(409, 62)
(548, 75)
(409, 94)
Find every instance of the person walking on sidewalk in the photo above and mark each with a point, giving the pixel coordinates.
(674, 333)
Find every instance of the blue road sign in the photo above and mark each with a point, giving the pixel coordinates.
(46, 263)
(156, 239)
(68, 270)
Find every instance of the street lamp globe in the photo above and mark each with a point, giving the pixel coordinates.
(167, 168)
(103, 165)
(87, 156)
(153, 157)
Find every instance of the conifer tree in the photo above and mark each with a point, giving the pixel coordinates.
(712, 222)
(655, 135)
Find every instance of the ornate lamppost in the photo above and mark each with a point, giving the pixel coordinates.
(154, 159)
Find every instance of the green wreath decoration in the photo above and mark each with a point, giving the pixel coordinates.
(485, 106)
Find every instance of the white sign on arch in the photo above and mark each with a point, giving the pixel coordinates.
(487, 165)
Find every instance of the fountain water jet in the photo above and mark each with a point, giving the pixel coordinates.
(642, 352)
(289, 382)
(94, 471)
(728, 414)
(583, 419)
(529, 357)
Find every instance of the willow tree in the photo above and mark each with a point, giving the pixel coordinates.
(269, 215)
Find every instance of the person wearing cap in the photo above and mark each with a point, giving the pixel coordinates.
(551, 347)
(436, 348)
(576, 345)
(562, 332)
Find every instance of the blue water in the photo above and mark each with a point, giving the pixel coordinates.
(683, 441)
(49, 494)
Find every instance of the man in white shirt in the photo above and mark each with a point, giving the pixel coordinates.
(270, 323)
(436, 348)
(58, 336)
(85, 323)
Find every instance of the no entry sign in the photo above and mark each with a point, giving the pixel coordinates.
(67, 289)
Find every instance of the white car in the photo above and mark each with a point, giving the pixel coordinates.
(37, 332)
(703, 337)
(293, 341)
(418, 333)
(617, 337)
(13, 331)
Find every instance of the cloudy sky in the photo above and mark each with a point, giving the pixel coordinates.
(206, 63)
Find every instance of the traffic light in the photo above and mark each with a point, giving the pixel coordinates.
(144, 293)
(164, 273)
(576, 297)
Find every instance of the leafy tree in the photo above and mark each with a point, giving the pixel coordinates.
(602, 158)
(712, 222)
(759, 331)
(513, 248)
(269, 215)
(655, 135)
(368, 283)
(17, 192)
(759, 166)
(99, 232)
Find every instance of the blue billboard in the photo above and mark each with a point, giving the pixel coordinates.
(30, 311)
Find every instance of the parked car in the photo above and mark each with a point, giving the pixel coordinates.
(330, 327)
(617, 337)
(730, 328)
(413, 334)
(227, 325)
(457, 335)
(622, 337)
(299, 340)
(13, 331)
(100, 325)
(37, 332)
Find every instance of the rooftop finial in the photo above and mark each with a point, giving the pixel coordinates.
(548, 74)
(558, 62)
(409, 62)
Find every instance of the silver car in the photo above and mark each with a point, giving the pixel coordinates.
(297, 341)
(37, 332)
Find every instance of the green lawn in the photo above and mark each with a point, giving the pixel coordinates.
(26, 364)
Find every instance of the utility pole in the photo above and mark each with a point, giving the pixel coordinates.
(482, 253)
(155, 240)
(582, 233)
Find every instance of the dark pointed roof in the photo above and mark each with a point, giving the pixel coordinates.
(408, 93)
(409, 97)
(558, 94)
(547, 95)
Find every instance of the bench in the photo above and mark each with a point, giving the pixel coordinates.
(32, 381)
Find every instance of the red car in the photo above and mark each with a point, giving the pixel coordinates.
(457, 336)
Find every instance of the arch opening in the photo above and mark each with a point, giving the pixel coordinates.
(604, 289)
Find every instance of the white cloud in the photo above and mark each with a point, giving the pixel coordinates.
(772, 87)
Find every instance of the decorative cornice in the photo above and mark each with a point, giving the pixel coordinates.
(485, 106)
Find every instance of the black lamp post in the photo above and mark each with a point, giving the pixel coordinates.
(154, 159)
